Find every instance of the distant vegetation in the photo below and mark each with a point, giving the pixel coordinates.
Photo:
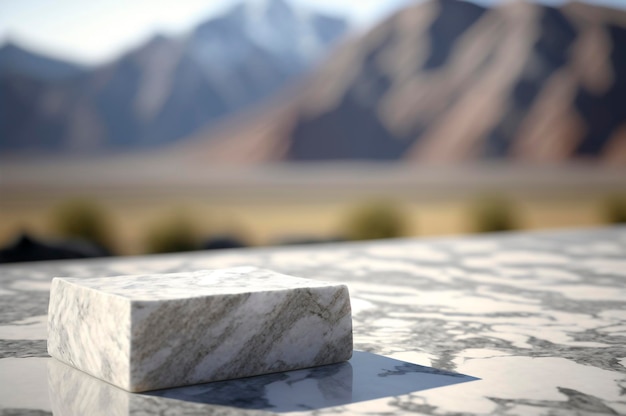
(374, 220)
(83, 219)
(491, 213)
(176, 232)
(614, 210)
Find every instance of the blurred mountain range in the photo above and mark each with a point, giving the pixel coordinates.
(442, 81)
(448, 81)
(16, 61)
(165, 89)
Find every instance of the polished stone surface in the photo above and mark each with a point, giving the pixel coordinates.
(365, 377)
(529, 323)
(156, 331)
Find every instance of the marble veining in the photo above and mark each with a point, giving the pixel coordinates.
(538, 319)
(157, 331)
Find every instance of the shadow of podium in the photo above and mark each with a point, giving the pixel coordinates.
(365, 377)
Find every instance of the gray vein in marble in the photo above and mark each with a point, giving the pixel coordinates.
(24, 412)
(23, 348)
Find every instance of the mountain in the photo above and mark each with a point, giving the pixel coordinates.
(15, 60)
(448, 81)
(167, 88)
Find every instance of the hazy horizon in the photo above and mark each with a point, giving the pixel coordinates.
(81, 32)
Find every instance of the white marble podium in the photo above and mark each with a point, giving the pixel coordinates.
(158, 331)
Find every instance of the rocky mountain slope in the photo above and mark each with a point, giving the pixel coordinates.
(447, 81)
(15, 60)
(164, 90)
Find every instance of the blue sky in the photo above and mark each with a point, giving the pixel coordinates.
(94, 31)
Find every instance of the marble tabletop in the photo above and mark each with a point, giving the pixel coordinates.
(528, 323)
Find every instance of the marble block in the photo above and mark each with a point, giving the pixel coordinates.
(157, 331)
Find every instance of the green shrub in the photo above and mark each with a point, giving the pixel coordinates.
(374, 220)
(491, 213)
(83, 219)
(614, 210)
(174, 233)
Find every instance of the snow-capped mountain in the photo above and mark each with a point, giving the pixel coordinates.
(251, 49)
(169, 87)
(293, 34)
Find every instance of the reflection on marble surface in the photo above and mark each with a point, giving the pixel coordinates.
(538, 318)
(23, 383)
(74, 393)
(365, 377)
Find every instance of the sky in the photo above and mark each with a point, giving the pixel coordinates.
(95, 31)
